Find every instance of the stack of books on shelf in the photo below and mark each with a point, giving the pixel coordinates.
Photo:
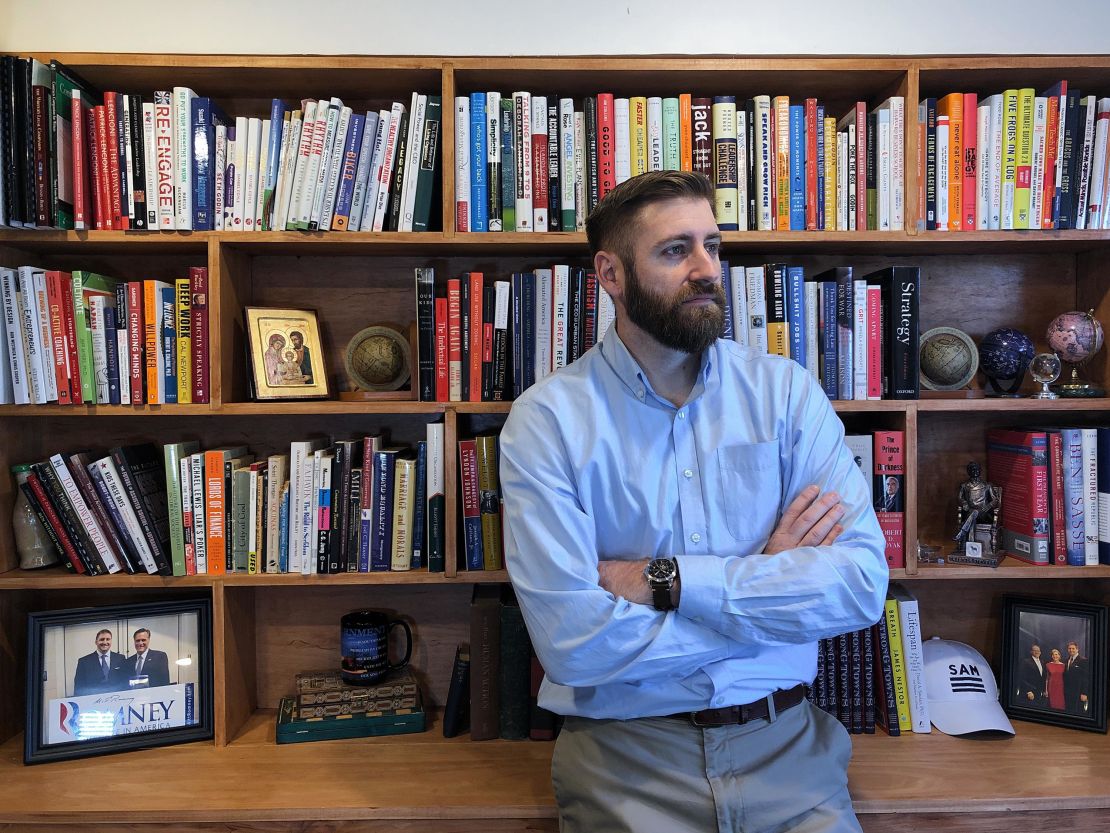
(482, 341)
(326, 708)
(1017, 159)
(79, 158)
(80, 337)
(876, 676)
(532, 162)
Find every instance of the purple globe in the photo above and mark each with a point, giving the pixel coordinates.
(1004, 355)
(1075, 336)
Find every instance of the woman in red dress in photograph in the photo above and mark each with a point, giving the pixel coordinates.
(1055, 681)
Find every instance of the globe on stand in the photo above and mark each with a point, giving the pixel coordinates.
(1076, 337)
(378, 358)
(948, 359)
(1004, 356)
(1045, 370)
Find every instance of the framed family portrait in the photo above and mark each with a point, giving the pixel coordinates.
(111, 679)
(286, 354)
(1054, 662)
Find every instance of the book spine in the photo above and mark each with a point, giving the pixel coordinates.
(381, 487)
(489, 502)
(53, 522)
(184, 340)
(199, 332)
(890, 474)
(470, 507)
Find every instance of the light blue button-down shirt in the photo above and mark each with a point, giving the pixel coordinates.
(596, 466)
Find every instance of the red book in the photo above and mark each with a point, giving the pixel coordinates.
(475, 337)
(69, 323)
(82, 204)
(589, 307)
(454, 341)
(875, 343)
(889, 491)
(1051, 148)
(970, 161)
(103, 170)
(1017, 461)
(812, 127)
(1058, 550)
(198, 319)
(136, 335)
(55, 303)
(861, 166)
(539, 177)
(442, 394)
(606, 144)
(701, 110)
(68, 550)
(116, 207)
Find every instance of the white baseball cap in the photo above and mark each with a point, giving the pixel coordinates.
(963, 694)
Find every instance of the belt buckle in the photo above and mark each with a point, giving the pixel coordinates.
(772, 712)
(694, 722)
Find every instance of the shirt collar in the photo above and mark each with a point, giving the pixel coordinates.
(628, 370)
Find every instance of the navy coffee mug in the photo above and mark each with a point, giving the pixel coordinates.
(364, 644)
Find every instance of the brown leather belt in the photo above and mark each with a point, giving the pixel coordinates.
(766, 708)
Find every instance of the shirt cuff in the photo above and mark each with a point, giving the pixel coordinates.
(702, 579)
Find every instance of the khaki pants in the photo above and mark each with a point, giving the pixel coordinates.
(661, 775)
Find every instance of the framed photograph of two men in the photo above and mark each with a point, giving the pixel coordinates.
(112, 679)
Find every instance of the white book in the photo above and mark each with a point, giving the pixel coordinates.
(560, 299)
(281, 176)
(412, 160)
(14, 338)
(622, 139)
(897, 163)
(580, 204)
(389, 159)
(1089, 105)
(124, 353)
(46, 332)
(149, 163)
(128, 160)
(522, 150)
(277, 471)
(362, 170)
(88, 520)
(859, 339)
(134, 530)
(1036, 191)
(763, 151)
(32, 336)
(739, 300)
(263, 168)
(566, 155)
(909, 621)
(321, 161)
(544, 293)
(252, 516)
(1090, 494)
(7, 393)
(493, 152)
(164, 157)
(300, 163)
(250, 174)
(982, 169)
(1096, 206)
(183, 154)
(942, 173)
(286, 201)
(219, 166)
(539, 128)
(655, 133)
(300, 501)
(373, 184)
(813, 354)
(240, 150)
(200, 530)
(335, 169)
(462, 163)
(434, 475)
(99, 335)
(756, 289)
(606, 313)
(312, 520)
(331, 161)
(883, 169)
(862, 447)
(994, 222)
(841, 181)
(742, 169)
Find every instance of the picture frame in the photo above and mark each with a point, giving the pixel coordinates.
(78, 707)
(1067, 690)
(286, 354)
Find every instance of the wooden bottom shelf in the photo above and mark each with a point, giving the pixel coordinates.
(393, 783)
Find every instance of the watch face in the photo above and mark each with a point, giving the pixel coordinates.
(661, 569)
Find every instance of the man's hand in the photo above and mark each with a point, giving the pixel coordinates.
(809, 521)
(625, 579)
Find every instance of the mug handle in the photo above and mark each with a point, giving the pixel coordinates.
(408, 643)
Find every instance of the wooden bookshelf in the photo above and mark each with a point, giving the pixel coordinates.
(269, 627)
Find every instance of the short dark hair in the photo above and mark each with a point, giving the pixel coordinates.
(141, 630)
(298, 334)
(612, 224)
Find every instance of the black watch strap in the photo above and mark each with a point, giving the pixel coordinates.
(661, 596)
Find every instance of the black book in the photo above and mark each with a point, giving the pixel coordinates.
(855, 660)
(574, 313)
(843, 680)
(554, 195)
(68, 515)
(143, 474)
(528, 330)
(900, 287)
(111, 350)
(590, 120)
(104, 510)
(589, 311)
(543, 724)
(485, 642)
(516, 340)
(820, 694)
(420, 509)
(887, 706)
(63, 81)
(831, 687)
(138, 161)
(393, 218)
(515, 670)
(24, 143)
(121, 147)
(931, 164)
(494, 172)
(344, 451)
(500, 392)
(749, 135)
(1069, 163)
(10, 194)
(456, 711)
(426, 333)
(489, 302)
(868, 681)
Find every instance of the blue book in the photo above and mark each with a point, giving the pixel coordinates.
(1103, 462)
(508, 168)
(528, 329)
(797, 168)
(827, 329)
(111, 328)
(350, 162)
(169, 342)
(419, 512)
(479, 194)
(283, 531)
(820, 128)
(796, 312)
(381, 510)
(203, 118)
(729, 331)
(1074, 500)
(268, 181)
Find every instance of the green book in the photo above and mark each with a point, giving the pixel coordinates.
(173, 454)
(291, 729)
(85, 285)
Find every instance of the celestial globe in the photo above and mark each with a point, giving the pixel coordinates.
(1004, 356)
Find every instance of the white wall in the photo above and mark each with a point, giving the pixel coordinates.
(557, 27)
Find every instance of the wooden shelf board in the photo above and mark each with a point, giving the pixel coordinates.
(331, 406)
(1008, 569)
(107, 410)
(55, 578)
(1023, 405)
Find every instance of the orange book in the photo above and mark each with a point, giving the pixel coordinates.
(215, 511)
(474, 393)
(685, 133)
(781, 107)
(952, 105)
(152, 307)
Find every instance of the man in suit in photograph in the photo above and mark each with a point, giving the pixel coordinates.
(145, 662)
(1076, 680)
(889, 498)
(101, 671)
(1031, 677)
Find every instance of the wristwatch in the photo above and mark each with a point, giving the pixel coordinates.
(661, 574)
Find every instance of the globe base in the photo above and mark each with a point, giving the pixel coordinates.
(1079, 390)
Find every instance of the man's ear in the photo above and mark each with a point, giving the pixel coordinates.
(607, 265)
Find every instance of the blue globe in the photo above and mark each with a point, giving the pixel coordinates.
(1005, 354)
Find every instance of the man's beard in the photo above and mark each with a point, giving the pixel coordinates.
(689, 329)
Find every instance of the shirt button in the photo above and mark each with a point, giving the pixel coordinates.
(640, 394)
(682, 415)
(688, 473)
(695, 537)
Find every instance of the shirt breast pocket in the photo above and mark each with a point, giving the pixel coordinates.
(750, 488)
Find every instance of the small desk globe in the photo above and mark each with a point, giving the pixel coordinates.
(378, 359)
(1075, 337)
(1004, 356)
(948, 359)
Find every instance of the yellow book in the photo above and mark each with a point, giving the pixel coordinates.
(831, 174)
(685, 133)
(638, 133)
(952, 106)
(184, 340)
(1024, 154)
(1009, 157)
(489, 492)
(404, 487)
(781, 111)
(898, 664)
(152, 345)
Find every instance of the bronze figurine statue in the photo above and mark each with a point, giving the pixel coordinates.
(979, 502)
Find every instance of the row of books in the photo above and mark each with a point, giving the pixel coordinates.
(80, 337)
(73, 157)
(876, 676)
(531, 162)
(1014, 160)
(1055, 485)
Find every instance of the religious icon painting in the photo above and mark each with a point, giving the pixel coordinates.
(286, 354)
